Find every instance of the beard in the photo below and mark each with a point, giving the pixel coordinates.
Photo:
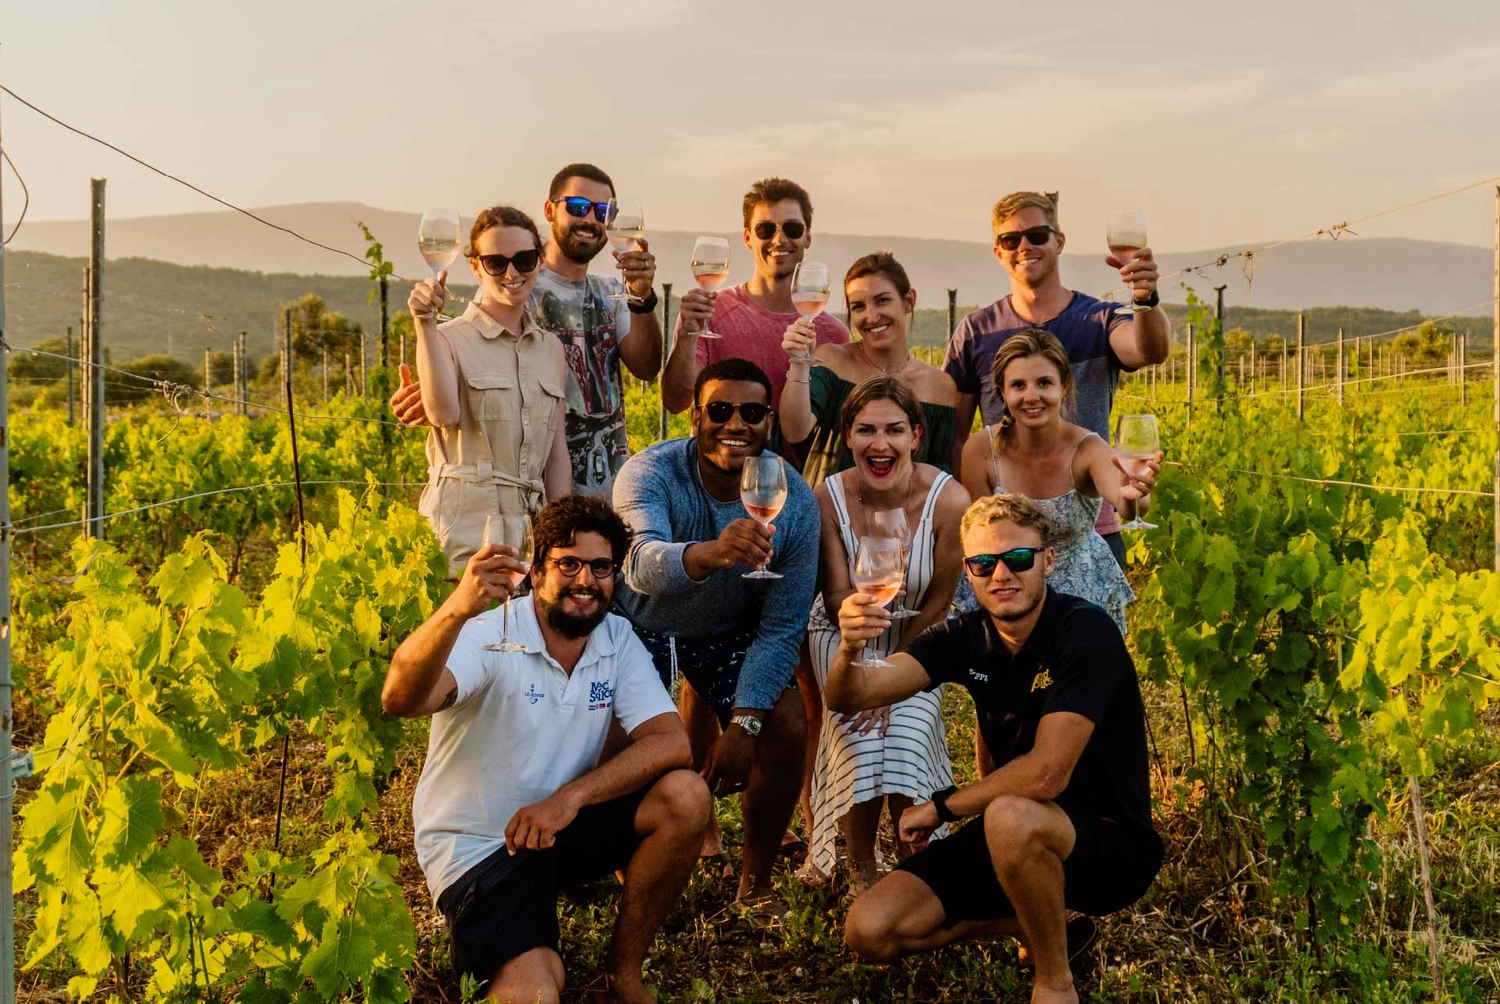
(577, 248)
(572, 625)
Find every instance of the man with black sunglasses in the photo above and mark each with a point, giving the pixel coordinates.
(1100, 342)
(599, 328)
(514, 803)
(734, 639)
(1065, 818)
(751, 318)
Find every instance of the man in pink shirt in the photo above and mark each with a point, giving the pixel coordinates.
(750, 319)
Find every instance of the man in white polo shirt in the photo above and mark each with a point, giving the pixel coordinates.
(513, 804)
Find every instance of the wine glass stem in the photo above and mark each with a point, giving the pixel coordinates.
(505, 632)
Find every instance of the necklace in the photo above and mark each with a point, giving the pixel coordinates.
(883, 369)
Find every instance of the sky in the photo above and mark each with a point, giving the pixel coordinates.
(1228, 124)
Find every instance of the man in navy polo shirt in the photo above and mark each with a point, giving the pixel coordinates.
(1100, 342)
(513, 804)
(1065, 818)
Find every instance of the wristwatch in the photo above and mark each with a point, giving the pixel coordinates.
(1150, 301)
(940, 803)
(749, 723)
(641, 304)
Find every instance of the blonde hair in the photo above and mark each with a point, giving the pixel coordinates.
(1024, 345)
(1017, 201)
(988, 510)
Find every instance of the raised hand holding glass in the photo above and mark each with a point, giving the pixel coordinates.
(763, 491)
(511, 531)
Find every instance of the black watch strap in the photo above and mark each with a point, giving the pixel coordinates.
(1151, 301)
(645, 306)
(940, 803)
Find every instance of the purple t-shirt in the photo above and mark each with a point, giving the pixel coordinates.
(1083, 327)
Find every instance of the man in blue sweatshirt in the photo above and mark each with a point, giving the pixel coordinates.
(733, 639)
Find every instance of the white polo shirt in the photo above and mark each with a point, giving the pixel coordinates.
(520, 729)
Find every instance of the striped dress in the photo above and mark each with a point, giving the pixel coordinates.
(911, 759)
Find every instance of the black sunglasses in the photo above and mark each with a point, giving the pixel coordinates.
(496, 264)
(1017, 559)
(1036, 236)
(578, 206)
(753, 412)
(766, 229)
(599, 568)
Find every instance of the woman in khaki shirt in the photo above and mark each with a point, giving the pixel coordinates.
(492, 387)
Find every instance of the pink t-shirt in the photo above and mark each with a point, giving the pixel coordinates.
(752, 332)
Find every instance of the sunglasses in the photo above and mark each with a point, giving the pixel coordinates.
(1017, 559)
(752, 412)
(766, 229)
(578, 206)
(1035, 236)
(496, 264)
(599, 568)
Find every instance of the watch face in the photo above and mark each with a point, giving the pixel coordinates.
(750, 725)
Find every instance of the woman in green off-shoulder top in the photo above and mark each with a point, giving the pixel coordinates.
(881, 305)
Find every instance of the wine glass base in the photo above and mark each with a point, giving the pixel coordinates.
(1138, 524)
(761, 573)
(1134, 308)
(873, 664)
(901, 614)
(504, 646)
(709, 334)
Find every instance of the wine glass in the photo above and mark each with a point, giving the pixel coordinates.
(512, 531)
(892, 523)
(878, 573)
(710, 268)
(810, 296)
(1136, 441)
(763, 493)
(1126, 234)
(438, 239)
(626, 225)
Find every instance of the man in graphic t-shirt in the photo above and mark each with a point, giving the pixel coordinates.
(600, 325)
(1100, 342)
(513, 804)
(1065, 818)
(750, 319)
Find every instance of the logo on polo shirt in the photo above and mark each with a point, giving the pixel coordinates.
(1042, 680)
(981, 677)
(600, 694)
(533, 695)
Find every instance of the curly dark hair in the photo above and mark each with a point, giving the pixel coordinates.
(562, 520)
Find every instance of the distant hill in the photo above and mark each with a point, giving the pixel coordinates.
(1390, 274)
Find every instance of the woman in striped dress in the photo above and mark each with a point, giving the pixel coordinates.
(894, 756)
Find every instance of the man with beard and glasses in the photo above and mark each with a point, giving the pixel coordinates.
(1100, 343)
(513, 803)
(598, 331)
(733, 639)
(1065, 818)
(750, 319)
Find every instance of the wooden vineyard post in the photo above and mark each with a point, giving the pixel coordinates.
(1192, 373)
(1463, 367)
(952, 313)
(208, 383)
(1301, 359)
(72, 407)
(13, 765)
(95, 356)
(1495, 373)
(1341, 367)
(325, 375)
(666, 352)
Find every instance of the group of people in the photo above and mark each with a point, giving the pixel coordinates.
(567, 759)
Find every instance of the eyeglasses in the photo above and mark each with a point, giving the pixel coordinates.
(1017, 559)
(578, 206)
(766, 229)
(753, 412)
(1035, 236)
(599, 568)
(496, 264)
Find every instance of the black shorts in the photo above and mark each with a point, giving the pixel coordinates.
(507, 904)
(1111, 867)
(711, 665)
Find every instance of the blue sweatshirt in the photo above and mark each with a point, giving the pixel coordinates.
(659, 494)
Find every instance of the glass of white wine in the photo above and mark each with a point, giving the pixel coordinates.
(810, 288)
(710, 269)
(892, 523)
(625, 226)
(878, 572)
(439, 239)
(1125, 235)
(763, 492)
(1136, 442)
(512, 531)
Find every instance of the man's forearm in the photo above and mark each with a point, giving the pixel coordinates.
(639, 762)
(1024, 776)
(419, 661)
(1153, 335)
(640, 349)
(844, 691)
(682, 369)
